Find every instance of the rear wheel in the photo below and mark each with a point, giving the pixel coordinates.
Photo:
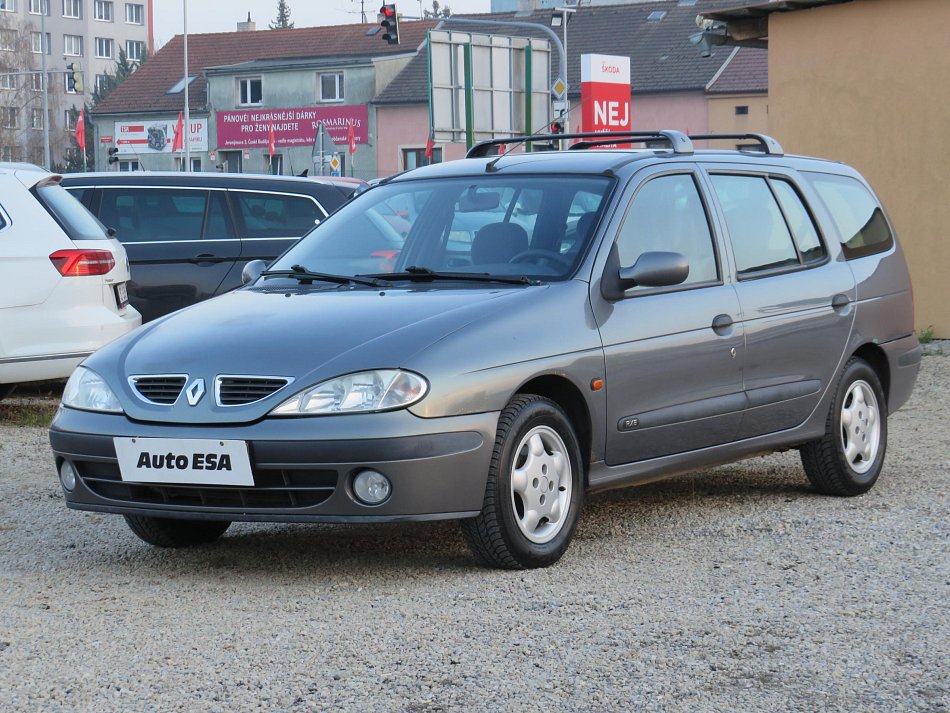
(534, 491)
(848, 459)
(168, 532)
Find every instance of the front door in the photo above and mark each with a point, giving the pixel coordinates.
(673, 355)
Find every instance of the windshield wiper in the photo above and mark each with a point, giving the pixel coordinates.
(425, 274)
(306, 276)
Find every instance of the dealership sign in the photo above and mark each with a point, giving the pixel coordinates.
(291, 127)
(157, 136)
(605, 93)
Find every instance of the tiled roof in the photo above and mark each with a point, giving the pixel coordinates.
(746, 71)
(662, 59)
(145, 91)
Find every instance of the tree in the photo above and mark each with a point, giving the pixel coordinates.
(437, 11)
(124, 68)
(283, 17)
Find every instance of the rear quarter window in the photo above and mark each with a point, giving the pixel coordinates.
(862, 227)
(77, 222)
(274, 215)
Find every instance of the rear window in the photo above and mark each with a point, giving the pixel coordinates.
(862, 227)
(77, 222)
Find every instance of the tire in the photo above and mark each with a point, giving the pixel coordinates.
(6, 390)
(535, 488)
(847, 460)
(167, 532)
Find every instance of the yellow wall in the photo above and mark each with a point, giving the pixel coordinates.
(868, 83)
(723, 118)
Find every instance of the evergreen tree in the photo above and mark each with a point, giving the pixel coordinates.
(283, 17)
(124, 68)
(437, 11)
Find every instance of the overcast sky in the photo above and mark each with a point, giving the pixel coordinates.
(223, 15)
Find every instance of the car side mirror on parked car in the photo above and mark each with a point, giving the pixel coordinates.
(652, 269)
(252, 271)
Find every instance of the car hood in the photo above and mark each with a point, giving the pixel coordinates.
(306, 335)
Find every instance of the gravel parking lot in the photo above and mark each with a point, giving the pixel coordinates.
(734, 589)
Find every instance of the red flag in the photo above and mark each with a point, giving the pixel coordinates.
(179, 142)
(271, 139)
(430, 144)
(81, 130)
(351, 137)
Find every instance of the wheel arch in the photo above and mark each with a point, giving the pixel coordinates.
(875, 356)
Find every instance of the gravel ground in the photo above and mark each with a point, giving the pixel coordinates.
(734, 589)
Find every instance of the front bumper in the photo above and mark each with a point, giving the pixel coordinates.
(302, 468)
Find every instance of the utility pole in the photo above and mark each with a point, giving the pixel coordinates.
(186, 127)
(44, 47)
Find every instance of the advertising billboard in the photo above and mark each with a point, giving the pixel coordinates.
(157, 136)
(292, 127)
(605, 93)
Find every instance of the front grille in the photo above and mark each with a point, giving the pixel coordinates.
(273, 489)
(243, 390)
(163, 389)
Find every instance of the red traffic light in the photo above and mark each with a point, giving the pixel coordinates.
(557, 127)
(388, 10)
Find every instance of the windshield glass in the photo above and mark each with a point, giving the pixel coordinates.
(536, 226)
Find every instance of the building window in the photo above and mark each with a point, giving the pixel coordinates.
(72, 45)
(251, 91)
(8, 115)
(39, 7)
(413, 158)
(7, 5)
(134, 14)
(742, 110)
(72, 8)
(69, 120)
(6, 154)
(331, 87)
(101, 80)
(38, 45)
(8, 81)
(105, 47)
(134, 50)
(195, 165)
(104, 10)
(8, 40)
(128, 166)
(36, 118)
(36, 81)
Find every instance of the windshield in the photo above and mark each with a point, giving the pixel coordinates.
(506, 226)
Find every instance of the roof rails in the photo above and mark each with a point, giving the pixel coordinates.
(678, 141)
(769, 145)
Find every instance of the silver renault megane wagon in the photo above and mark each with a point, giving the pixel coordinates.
(535, 326)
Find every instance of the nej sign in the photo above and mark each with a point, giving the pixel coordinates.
(292, 127)
(605, 93)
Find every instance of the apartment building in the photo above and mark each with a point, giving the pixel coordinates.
(85, 33)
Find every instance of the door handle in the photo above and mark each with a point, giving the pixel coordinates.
(722, 324)
(840, 303)
(203, 257)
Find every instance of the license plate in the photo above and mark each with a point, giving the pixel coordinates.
(122, 294)
(183, 461)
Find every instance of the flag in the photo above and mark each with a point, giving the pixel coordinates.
(430, 145)
(351, 138)
(179, 143)
(81, 130)
(271, 139)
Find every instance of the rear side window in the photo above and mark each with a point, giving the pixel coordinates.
(154, 214)
(799, 221)
(861, 225)
(3, 220)
(77, 222)
(271, 215)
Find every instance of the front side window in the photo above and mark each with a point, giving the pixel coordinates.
(104, 10)
(862, 227)
(153, 214)
(271, 215)
(251, 91)
(105, 47)
(134, 14)
(667, 215)
(494, 226)
(331, 87)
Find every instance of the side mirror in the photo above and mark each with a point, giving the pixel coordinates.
(252, 271)
(653, 269)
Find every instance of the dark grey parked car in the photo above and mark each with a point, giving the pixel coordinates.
(549, 324)
(189, 235)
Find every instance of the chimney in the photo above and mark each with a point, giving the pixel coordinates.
(249, 26)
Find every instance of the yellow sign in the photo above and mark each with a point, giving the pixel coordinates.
(559, 88)
(335, 163)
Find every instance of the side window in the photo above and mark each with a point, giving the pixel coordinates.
(757, 229)
(270, 215)
(861, 225)
(217, 226)
(153, 214)
(3, 221)
(799, 220)
(79, 194)
(667, 215)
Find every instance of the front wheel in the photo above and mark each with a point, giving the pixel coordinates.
(168, 532)
(847, 460)
(535, 488)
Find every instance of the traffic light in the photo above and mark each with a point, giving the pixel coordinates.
(113, 155)
(74, 78)
(557, 127)
(389, 22)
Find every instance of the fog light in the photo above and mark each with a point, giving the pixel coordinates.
(371, 488)
(67, 476)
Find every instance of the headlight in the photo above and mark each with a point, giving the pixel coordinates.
(88, 391)
(379, 390)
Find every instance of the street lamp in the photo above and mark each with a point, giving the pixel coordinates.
(186, 127)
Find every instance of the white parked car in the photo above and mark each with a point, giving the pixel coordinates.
(63, 280)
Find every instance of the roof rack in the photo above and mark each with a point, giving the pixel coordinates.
(769, 145)
(678, 141)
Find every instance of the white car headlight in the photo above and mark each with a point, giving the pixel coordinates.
(378, 390)
(88, 391)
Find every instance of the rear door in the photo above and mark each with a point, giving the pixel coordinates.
(180, 242)
(797, 302)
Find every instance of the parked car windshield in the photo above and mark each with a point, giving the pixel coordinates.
(506, 226)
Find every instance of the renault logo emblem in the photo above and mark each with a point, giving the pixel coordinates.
(194, 392)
